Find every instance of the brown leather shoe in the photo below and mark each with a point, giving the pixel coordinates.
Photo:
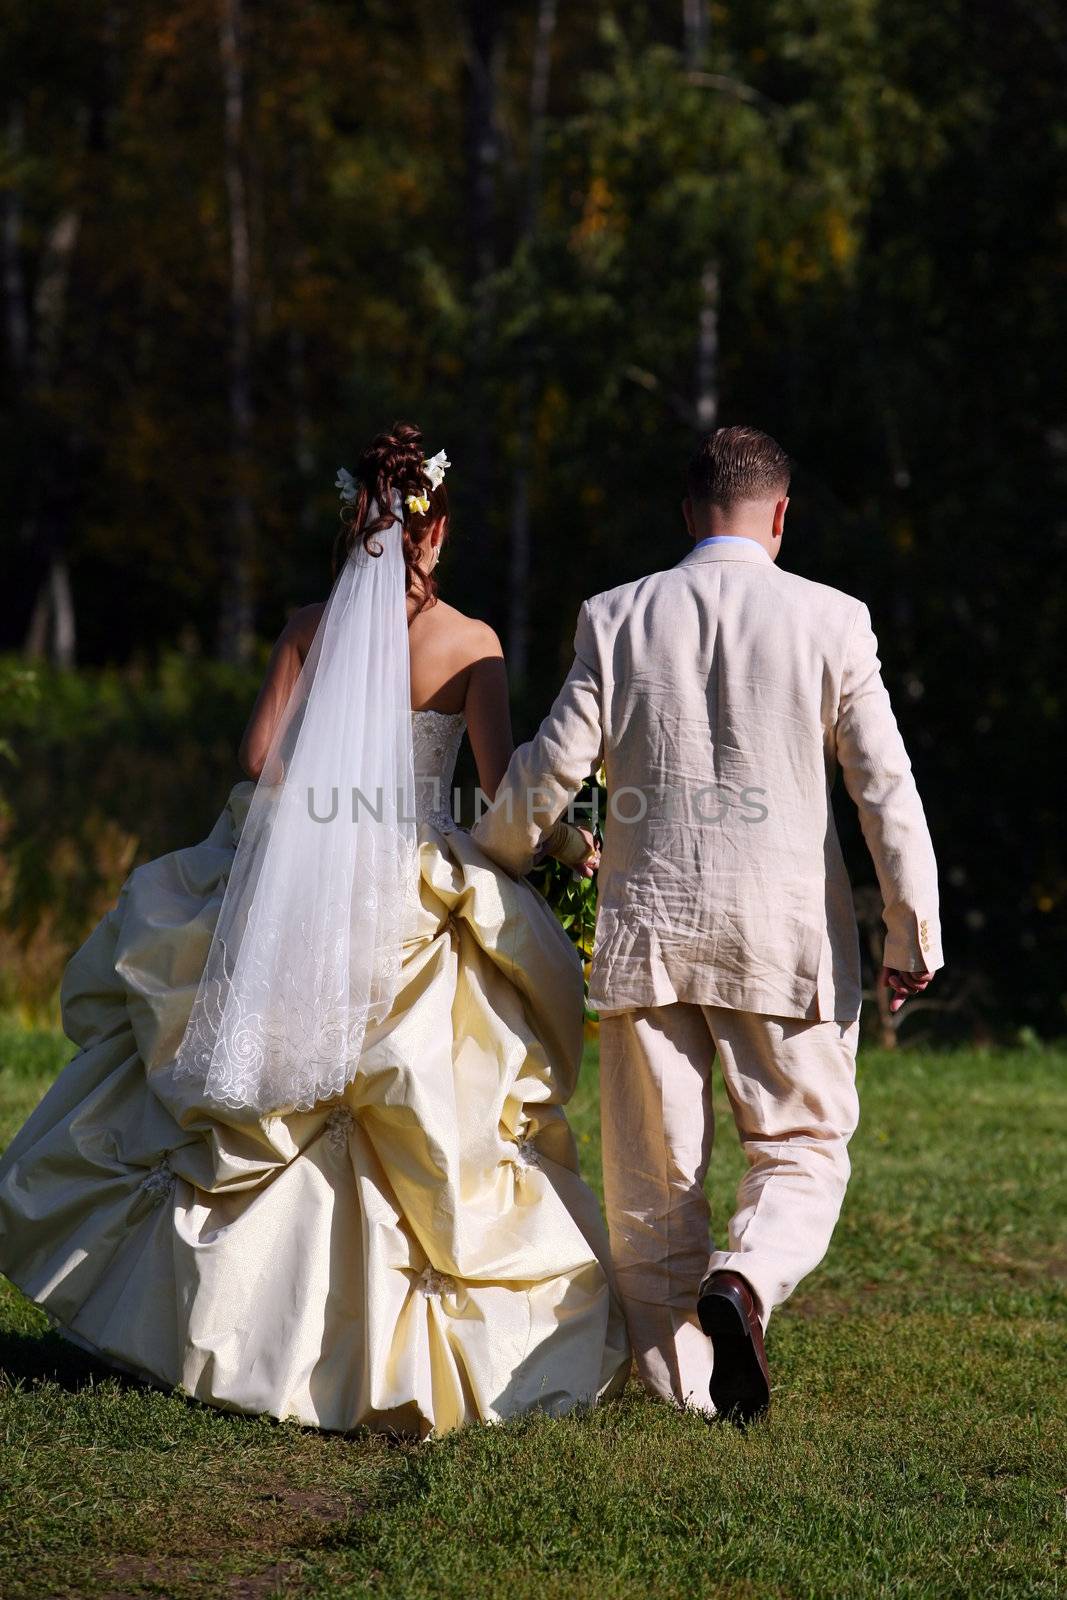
(740, 1380)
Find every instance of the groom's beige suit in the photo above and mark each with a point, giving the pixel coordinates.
(722, 695)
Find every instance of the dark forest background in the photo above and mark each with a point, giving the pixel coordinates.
(240, 236)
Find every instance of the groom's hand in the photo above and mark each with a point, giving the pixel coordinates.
(904, 985)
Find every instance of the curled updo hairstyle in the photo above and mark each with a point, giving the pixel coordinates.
(393, 462)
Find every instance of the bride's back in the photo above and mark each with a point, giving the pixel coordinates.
(457, 665)
(446, 646)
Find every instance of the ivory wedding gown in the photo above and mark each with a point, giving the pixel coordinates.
(418, 1253)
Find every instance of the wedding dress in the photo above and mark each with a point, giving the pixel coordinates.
(417, 1252)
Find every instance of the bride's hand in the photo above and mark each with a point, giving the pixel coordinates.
(591, 863)
(574, 847)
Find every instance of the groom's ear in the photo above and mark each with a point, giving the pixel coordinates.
(687, 513)
(779, 516)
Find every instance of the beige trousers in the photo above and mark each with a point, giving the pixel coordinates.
(792, 1089)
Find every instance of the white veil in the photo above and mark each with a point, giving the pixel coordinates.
(306, 951)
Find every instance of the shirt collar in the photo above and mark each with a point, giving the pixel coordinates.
(726, 547)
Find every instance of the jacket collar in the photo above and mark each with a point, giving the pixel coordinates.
(749, 550)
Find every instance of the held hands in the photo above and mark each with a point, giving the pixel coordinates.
(904, 985)
(590, 863)
(574, 847)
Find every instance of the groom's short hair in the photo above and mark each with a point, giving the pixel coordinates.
(735, 464)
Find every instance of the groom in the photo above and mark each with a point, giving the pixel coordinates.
(722, 695)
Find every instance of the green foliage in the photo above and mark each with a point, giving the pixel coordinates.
(113, 768)
(875, 186)
(19, 691)
(573, 897)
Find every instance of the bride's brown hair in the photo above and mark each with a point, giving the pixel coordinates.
(393, 462)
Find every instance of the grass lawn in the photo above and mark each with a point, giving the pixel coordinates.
(916, 1444)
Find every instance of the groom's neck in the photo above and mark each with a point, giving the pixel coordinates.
(757, 520)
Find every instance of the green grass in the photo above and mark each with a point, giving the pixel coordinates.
(916, 1445)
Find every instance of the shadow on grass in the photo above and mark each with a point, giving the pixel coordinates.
(49, 1358)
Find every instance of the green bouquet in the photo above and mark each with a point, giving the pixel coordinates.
(572, 896)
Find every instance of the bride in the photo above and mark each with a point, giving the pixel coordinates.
(311, 1158)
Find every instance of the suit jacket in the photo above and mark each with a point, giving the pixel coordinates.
(722, 696)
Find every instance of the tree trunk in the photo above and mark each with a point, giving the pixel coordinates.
(519, 573)
(296, 342)
(35, 336)
(17, 327)
(303, 436)
(236, 613)
(18, 322)
(707, 361)
(474, 555)
(706, 375)
(50, 300)
(695, 18)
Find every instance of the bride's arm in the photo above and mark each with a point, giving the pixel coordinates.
(283, 669)
(488, 713)
(548, 772)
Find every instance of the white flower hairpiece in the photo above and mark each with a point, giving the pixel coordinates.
(433, 471)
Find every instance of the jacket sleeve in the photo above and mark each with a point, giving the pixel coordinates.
(545, 775)
(879, 778)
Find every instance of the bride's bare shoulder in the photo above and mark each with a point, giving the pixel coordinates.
(302, 626)
(467, 635)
